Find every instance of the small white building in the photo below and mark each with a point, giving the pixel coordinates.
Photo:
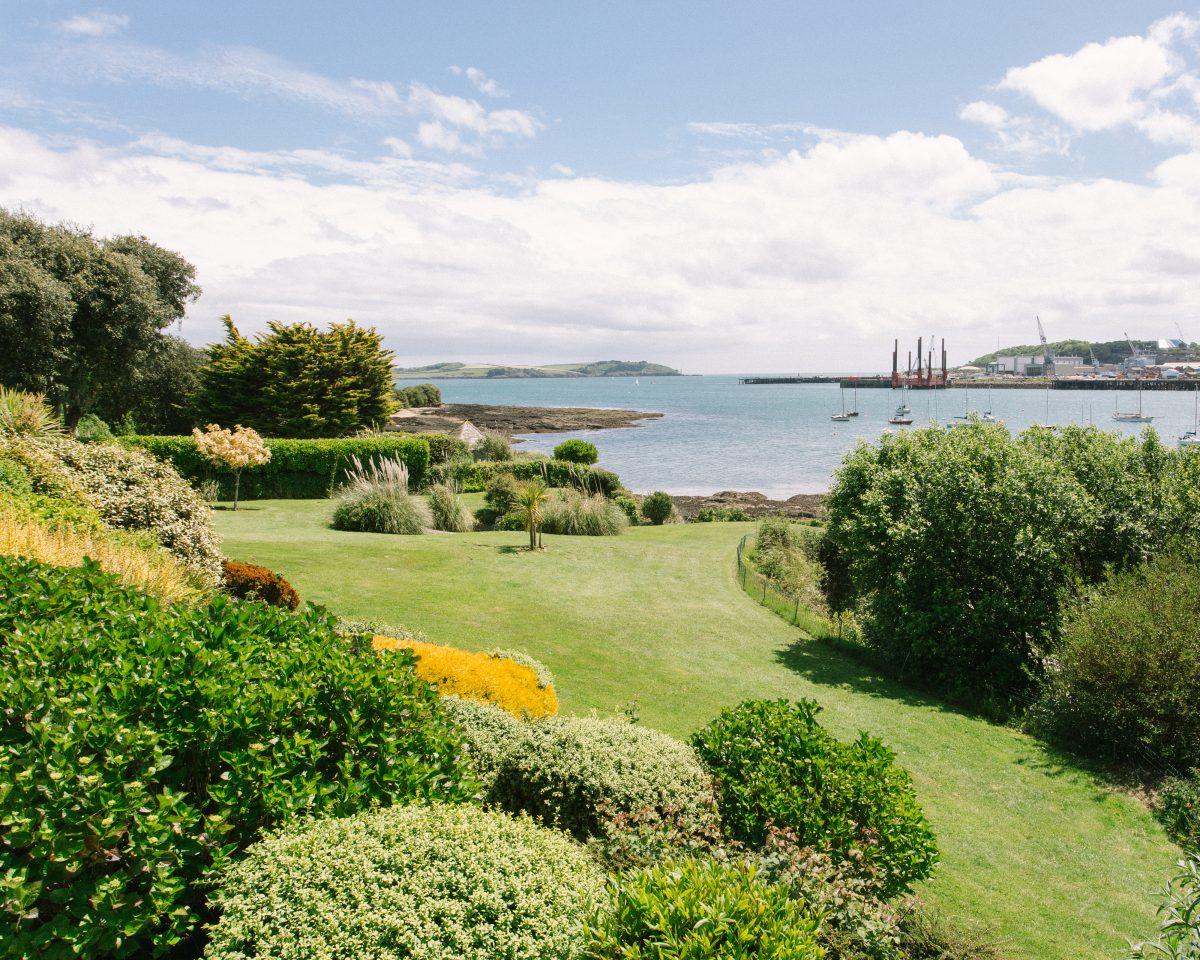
(1018, 366)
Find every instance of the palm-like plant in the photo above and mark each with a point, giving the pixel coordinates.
(26, 415)
(531, 498)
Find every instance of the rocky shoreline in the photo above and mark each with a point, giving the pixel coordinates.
(512, 420)
(801, 506)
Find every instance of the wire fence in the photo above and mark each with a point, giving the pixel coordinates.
(779, 602)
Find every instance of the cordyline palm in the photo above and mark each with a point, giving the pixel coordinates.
(531, 498)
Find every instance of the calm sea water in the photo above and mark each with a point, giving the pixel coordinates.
(720, 435)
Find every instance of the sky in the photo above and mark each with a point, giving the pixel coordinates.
(723, 187)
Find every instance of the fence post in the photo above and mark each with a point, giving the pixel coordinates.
(796, 613)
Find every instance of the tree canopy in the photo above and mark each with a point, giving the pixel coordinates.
(297, 381)
(81, 316)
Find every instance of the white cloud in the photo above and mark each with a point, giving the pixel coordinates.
(436, 136)
(1023, 136)
(1138, 81)
(95, 24)
(481, 81)
(814, 257)
(989, 114)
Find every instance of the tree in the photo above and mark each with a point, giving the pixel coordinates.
(297, 381)
(234, 449)
(164, 389)
(577, 451)
(78, 315)
(531, 498)
(961, 546)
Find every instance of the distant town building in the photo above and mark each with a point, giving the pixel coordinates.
(1071, 367)
(1018, 366)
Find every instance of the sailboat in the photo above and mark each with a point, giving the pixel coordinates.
(988, 416)
(854, 412)
(1138, 417)
(842, 417)
(1191, 439)
(902, 417)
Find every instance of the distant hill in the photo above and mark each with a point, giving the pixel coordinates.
(484, 371)
(1109, 351)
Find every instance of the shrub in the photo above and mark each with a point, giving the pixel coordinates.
(776, 533)
(1179, 810)
(775, 764)
(1126, 685)
(64, 534)
(426, 883)
(134, 491)
(697, 908)
(447, 509)
(579, 773)
(249, 581)
(488, 733)
(506, 683)
(544, 677)
(234, 450)
(658, 507)
(493, 446)
(574, 514)
(1179, 918)
(951, 602)
(298, 469)
(419, 395)
(26, 415)
(91, 429)
(629, 507)
(577, 451)
(928, 935)
(379, 511)
(146, 745)
(444, 448)
(721, 515)
(14, 478)
(501, 494)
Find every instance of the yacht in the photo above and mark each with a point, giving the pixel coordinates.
(1137, 417)
(1191, 439)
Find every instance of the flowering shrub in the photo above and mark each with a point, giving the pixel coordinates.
(579, 774)
(145, 745)
(234, 449)
(134, 491)
(775, 764)
(423, 883)
(479, 676)
(249, 581)
(488, 733)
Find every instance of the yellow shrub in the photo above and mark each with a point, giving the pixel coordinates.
(479, 676)
(143, 566)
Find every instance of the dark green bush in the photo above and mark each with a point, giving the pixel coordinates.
(91, 429)
(775, 764)
(961, 546)
(577, 451)
(444, 448)
(1126, 684)
(493, 446)
(298, 469)
(658, 507)
(580, 773)
(633, 512)
(144, 746)
(476, 475)
(695, 908)
(419, 395)
(721, 515)
(410, 883)
(1179, 810)
(501, 493)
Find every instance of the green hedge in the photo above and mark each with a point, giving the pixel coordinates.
(298, 469)
(475, 475)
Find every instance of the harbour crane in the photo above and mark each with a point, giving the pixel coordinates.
(1095, 362)
(1047, 353)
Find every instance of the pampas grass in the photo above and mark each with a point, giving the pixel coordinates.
(447, 509)
(375, 499)
(574, 514)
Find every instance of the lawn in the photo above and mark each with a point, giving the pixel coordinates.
(1051, 860)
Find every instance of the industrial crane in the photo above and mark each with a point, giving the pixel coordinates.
(1047, 353)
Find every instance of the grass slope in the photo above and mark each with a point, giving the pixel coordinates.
(1051, 860)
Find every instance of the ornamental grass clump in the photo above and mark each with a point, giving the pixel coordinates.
(375, 499)
(575, 514)
(775, 765)
(26, 415)
(580, 774)
(421, 883)
(512, 686)
(147, 745)
(235, 450)
(447, 510)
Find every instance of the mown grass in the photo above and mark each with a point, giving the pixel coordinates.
(1048, 857)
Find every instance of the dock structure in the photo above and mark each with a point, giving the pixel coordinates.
(923, 376)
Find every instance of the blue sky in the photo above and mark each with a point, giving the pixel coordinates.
(699, 183)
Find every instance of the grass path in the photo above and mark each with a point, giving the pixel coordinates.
(1048, 858)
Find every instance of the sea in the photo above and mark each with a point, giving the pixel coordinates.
(720, 434)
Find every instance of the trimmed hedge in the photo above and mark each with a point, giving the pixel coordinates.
(409, 883)
(298, 469)
(473, 476)
(145, 745)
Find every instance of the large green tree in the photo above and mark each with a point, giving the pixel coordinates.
(295, 380)
(80, 316)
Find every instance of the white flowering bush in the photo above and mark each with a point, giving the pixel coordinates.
(234, 450)
(424, 883)
(582, 774)
(488, 733)
(133, 491)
